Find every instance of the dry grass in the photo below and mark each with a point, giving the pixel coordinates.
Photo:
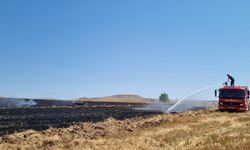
(201, 130)
(120, 98)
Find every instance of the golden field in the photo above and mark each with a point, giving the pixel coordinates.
(201, 130)
(120, 98)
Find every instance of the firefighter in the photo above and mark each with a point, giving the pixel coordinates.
(231, 79)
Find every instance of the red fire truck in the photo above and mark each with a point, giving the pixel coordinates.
(233, 98)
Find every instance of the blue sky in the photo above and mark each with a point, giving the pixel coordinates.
(69, 49)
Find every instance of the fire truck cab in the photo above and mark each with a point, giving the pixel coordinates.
(233, 98)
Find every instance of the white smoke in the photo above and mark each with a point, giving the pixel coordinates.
(156, 107)
(15, 103)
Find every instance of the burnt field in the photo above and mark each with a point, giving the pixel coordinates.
(41, 118)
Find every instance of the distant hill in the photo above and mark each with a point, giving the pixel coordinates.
(120, 98)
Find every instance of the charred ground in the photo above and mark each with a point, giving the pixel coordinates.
(43, 117)
(193, 130)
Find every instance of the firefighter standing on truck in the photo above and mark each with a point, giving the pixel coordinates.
(231, 79)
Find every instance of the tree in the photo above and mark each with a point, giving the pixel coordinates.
(164, 97)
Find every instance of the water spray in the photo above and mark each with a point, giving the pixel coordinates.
(171, 109)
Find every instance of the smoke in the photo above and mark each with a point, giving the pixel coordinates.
(15, 103)
(156, 107)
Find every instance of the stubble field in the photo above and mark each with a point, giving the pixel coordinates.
(201, 130)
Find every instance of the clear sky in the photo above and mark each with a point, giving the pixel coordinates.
(69, 49)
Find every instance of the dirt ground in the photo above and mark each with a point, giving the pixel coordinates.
(201, 130)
